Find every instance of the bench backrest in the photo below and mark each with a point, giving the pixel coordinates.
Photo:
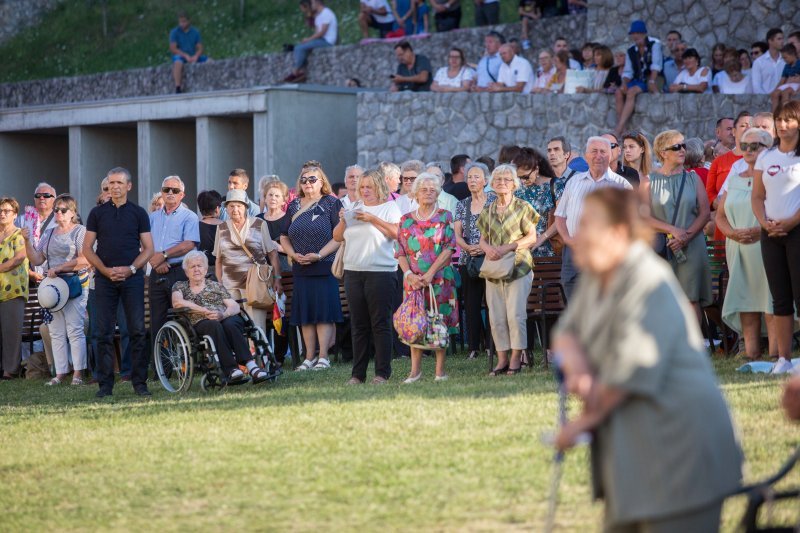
(546, 285)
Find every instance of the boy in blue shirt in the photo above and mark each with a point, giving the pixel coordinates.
(790, 78)
(186, 46)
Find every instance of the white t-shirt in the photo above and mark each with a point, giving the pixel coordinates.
(739, 166)
(369, 250)
(726, 86)
(519, 70)
(326, 16)
(542, 78)
(781, 177)
(703, 74)
(465, 74)
(377, 4)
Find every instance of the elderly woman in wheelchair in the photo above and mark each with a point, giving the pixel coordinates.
(206, 319)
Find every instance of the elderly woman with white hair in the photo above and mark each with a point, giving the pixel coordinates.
(747, 298)
(508, 230)
(426, 242)
(214, 312)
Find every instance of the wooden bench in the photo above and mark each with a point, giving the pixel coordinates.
(546, 301)
(32, 319)
(712, 314)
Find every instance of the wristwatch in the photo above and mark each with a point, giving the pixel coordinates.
(165, 254)
(133, 270)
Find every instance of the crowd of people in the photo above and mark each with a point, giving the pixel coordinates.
(470, 232)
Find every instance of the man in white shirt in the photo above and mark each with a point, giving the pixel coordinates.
(375, 14)
(351, 175)
(489, 66)
(767, 69)
(547, 69)
(516, 73)
(570, 206)
(326, 33)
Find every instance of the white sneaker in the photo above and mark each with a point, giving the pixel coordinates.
(322, 364)
(782, 366)
(413, 379)
(443, 377)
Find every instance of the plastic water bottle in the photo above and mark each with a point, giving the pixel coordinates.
(680, 255)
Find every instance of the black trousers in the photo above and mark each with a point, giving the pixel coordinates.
(487, 14)
(448, 21)
(161, 296)
(229, 340)
(396, 297)
(472, 291)
(370, 320)
(782, 264)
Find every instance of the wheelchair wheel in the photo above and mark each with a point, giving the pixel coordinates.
(172, 352)
(211, 381)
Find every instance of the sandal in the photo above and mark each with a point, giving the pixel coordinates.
(513, 371)
(259, 375)
(236, 375)
(77, 381)
(499, 370)
(52, 382)
(322, 364)
(308, 364)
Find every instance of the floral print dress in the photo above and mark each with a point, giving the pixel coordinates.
(421, 242)
(541, 198)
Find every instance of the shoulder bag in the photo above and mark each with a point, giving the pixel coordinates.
(337, 268)
(259, 279)
(498, 269)
(474, 262)
(660, 244)
(72, 279)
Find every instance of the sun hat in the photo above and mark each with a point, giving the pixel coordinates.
(638, 26)
(53, 294)
(236, 195)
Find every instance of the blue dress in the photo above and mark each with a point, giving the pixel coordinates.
(403, 7)
(541, 198)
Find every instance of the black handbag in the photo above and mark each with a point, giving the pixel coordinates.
(660, 244)
(474, 263)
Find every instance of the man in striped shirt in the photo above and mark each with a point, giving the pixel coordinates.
(568, 212)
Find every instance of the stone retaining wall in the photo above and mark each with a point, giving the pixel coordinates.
(430, 126)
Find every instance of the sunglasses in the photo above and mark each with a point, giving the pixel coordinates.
(752, 147)
(44, 195)
(171, 190)
(62, 210)
(409, 179)
(526, 177)
(676, 147)
(311, 179)
(105, 189)
(614, 146)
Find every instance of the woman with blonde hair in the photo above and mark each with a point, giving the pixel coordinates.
(370, 267)
(637, 154)
(307, 238)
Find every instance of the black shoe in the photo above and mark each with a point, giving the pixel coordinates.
(143, 391)
(178, 90)
(102, 393)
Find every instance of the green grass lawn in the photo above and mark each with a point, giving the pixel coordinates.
(70, 41)
(310, 453)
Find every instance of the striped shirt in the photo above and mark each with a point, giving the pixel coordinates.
(570, 205)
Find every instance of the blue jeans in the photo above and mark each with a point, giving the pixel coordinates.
(108, 295)
(124, 340)
(302, 50)
(569, 272)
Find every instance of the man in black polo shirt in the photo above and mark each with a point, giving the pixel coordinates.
(124, 245)
(630, 174)
(413, 71)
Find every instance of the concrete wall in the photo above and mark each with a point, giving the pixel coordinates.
(222, 145)
(702, 23)
(370, 63)
(166, 149)
(430, 126)
(29, 158)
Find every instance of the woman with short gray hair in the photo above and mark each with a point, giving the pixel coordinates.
(696, 158)
(508, 230)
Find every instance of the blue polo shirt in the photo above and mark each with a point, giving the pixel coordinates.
(174, 228)
(118, 230)
(186, 40)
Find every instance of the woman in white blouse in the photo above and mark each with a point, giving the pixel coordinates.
(456, 76)
(731, 80)
(693, 78)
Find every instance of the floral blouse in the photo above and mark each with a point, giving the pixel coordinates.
(469, 228)
(211, 297)
(541, 198)
(14, 283)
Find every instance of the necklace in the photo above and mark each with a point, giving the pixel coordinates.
(421, 218)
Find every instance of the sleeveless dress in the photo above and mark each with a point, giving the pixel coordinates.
(695, 274)
(748, 291)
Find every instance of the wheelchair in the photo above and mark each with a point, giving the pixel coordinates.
(179, 352)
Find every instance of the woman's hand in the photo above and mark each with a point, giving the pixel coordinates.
(214, 315)
(493, 253)
(415, 281)
(341, 214)
(52, 273)
(681, 235)
(26, 234)
(568, 436)
(363, 216)
(277, 286)
(474, 250)
(780, 228)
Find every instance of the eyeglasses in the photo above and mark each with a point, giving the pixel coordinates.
(311, 179)
(62, 210)
(409, 179)
(755, 53)
(6, 211)
(614, 146)
(752, 147)
(44, 195)
(676, 147)
(507, 180)
(171, 190)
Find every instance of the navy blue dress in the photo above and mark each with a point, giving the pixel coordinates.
(316, 292)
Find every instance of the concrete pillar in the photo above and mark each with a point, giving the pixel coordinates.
(93, 151)
(261, 145)
(167, 149)
(27, 159)
(224, 144)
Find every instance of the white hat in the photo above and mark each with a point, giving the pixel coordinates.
(53, 294)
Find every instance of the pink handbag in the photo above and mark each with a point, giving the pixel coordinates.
(411, 319)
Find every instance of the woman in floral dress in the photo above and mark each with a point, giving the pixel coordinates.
(426, 243)
(535, 174)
